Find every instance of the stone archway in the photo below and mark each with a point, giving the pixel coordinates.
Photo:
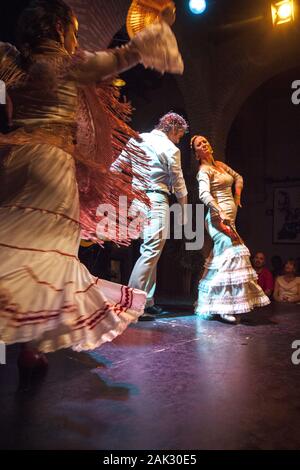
(250, 77)
(263, 145)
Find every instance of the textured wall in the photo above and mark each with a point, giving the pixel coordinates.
(99, 20)
(220, 71)
(219, 78)
(264, 145)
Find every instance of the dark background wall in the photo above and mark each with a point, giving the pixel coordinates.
(264, 144)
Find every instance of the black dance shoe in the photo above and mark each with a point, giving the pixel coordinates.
(32, 365)
(154, 310)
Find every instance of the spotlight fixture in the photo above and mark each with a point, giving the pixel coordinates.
(197, 6)
(283, 12)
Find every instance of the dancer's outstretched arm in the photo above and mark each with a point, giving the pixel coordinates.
(154, 47)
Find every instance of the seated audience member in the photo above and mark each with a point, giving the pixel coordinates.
(265, 278)
(287, 286)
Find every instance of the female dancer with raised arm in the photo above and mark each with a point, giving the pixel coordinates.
(67, 126)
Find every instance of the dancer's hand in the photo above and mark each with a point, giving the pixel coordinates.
(158, 49)
(227, 228)
(169, 14)
(185, 218)
(182, 217)
(237, 200)
(224, 218)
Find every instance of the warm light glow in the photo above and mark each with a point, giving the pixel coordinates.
(118, 82)
(197, 6)
(283, 12)
(86, 243)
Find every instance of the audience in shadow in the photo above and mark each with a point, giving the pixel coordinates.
(287, 286)
(265, 278)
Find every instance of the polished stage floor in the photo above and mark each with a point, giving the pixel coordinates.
(177, 383)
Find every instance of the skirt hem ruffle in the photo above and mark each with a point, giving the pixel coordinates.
(233, 309)
(229, 284)
(109, 329)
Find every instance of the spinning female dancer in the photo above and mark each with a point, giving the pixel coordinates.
(67, 125)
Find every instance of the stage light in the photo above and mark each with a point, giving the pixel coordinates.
(119, 82)
(283, 12)
(197, 6)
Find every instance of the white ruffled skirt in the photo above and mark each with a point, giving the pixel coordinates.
(229, 282)
(46, 294)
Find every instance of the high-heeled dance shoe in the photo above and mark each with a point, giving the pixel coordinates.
(32, 365)
(230, 319)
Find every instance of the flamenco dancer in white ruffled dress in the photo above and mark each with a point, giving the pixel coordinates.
(67, 127)
(228, 287)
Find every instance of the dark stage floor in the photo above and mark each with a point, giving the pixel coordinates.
(178, 383)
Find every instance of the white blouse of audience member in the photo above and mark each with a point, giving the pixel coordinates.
(287, 290)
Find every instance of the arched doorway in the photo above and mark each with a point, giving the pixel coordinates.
(264, 146)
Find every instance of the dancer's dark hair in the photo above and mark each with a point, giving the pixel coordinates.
(38, 22)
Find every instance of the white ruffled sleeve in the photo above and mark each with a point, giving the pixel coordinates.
(154, 47)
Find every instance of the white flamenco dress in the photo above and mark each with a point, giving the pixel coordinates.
(229, 283)
(46, 294)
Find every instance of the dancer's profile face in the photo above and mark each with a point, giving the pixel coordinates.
(175, 135)
(203, 150)
(71, 36)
